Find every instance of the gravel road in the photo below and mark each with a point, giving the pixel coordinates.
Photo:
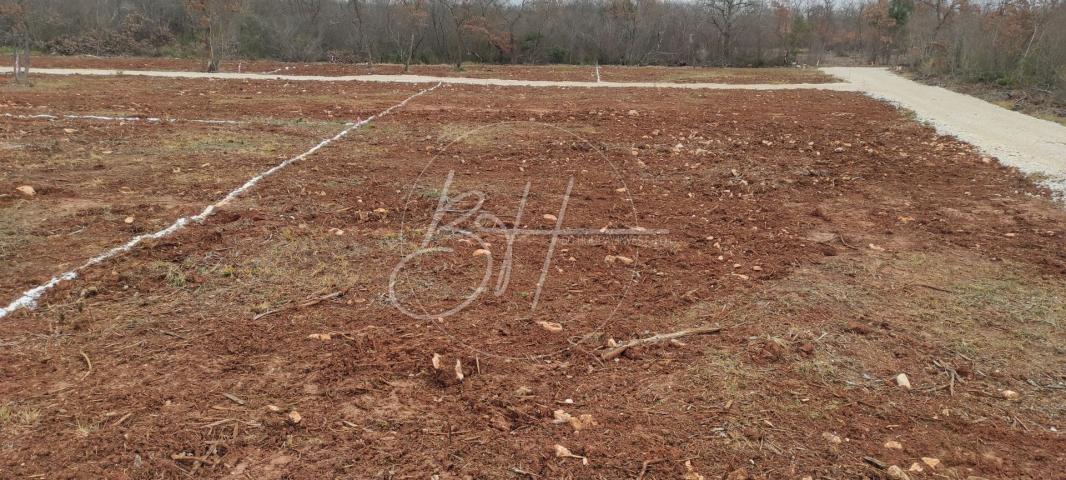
(840, 86)
(1033, 145)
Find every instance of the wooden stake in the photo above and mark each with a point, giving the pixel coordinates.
(618, 350)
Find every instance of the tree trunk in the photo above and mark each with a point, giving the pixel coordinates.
(22, 63)
(362, 35)
(459, 42)
(410, 53)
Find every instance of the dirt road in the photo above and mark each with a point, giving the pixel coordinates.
(1033, 145)
(446, 80)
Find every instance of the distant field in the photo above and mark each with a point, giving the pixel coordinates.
(472, 70)
(835, 241)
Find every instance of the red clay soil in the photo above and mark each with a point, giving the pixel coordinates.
(580, 73)
(836, 242)
(86, 173)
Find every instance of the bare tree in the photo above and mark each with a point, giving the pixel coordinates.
(18, 12)
(415, 14)
(725, 15)
(462, 13)
(1009, 42)
(943, 10)
(215, 21)
(359, 11)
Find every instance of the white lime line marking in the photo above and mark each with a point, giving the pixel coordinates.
(29, 298)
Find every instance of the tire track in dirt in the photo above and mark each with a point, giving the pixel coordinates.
(29, 298)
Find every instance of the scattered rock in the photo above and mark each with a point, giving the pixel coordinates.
(501, 423)
(551, 218)
(897, 473)
(584, 420)
(903, 381)
(859, 328)
(482, 252)
(320, 336)
(273, 408)
(577, 423)
(1009, 394)
(633, 113)
(294, 417)
(27, 190)
(128, 220)
(691, 473)
(550, 326)
(459, 370)
(831, 438)
(931, 462)
(523, 391)
(916, 468)
(563, 452)
(893, 445)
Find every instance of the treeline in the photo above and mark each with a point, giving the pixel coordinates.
(1007, 41)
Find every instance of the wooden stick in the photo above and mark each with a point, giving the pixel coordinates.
(844, 242)
(644, 467)
(932, 287)
(618, 350)
(123, 419)
(305, 304)
(188, 458)
(87, 362)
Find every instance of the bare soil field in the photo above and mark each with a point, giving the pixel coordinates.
(823, 241)
(473, 70)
